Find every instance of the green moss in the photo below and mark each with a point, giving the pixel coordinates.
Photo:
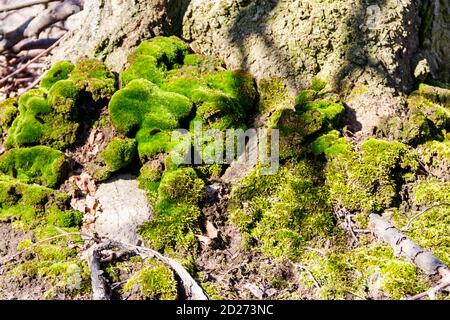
(279, 213)
(63, 96)
(176, 212)
(39, 123)
(369, 272)
(435, 156)
(119, 153)
(64, 219)
(272, 95)
(8, 111)
(27, 202)
(301, 124)
(365, 181)
(93, 76)
(432, 228)
(43, 212)
(203, 63)
(174, 226)
(155, 282)
(59, 71)
(150, 175)
(153, 58)
(434, 103)
(141, 106)
(182, 185)
(42, 165)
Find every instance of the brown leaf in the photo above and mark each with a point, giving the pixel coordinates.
(211, 230)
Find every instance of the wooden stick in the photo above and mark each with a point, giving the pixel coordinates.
(408, 225)
(316, 283)
(405, 247)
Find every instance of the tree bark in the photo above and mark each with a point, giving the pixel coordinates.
(348, 43)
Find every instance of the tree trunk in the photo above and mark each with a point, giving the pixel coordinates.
(346, 42)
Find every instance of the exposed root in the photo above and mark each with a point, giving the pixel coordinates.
(192, 289)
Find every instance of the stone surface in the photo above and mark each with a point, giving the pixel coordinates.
(124, 208)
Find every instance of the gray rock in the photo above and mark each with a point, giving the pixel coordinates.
(124, 208)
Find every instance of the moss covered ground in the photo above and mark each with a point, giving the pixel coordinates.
(297, 218)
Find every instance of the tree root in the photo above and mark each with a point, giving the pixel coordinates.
(99, 287)
(50, 16)
(23, 4)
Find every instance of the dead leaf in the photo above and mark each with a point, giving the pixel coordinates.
(211, 230)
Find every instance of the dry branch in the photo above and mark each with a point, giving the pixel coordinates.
(408, 225)
(34, 245)
(52, 15)
(24, 4)
(316, 283)
(405, 247)
(31, 61)
(431, 293)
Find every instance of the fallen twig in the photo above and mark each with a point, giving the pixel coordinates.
(34, 83)
(408, 225)
(10, 258)
(9, 39)
(32, 44)
(406, 248)
(316, 283)
(431, 293)
(31, 61)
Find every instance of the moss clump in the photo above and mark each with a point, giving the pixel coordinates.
(64, 219)
(203, 63)
(279, 213)
(42, 165)
(63, 96)
(306, 120)
(429, 115)
(435, 156)
(27, 201)
(182, 185)
(155, 282)
(59, 71)
(431, 229)
(153, 58)
(365, 181)
(371, 272)
(43, 212)
(119, 153)
(39, 123)
(93, 76)
(8, 111)
(176, 212)
(150, 175)
(144, 110)
(272, 95)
